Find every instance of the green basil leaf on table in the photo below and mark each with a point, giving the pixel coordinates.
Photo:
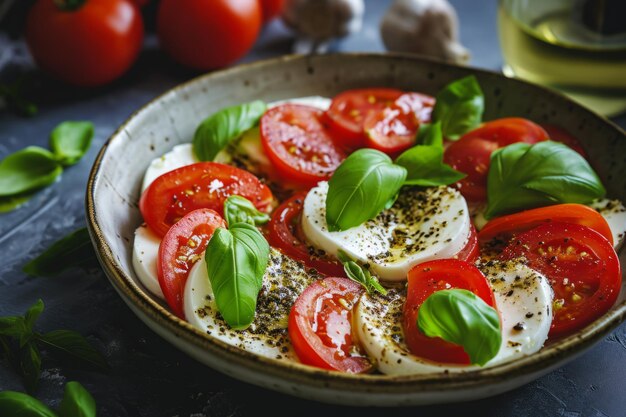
(74, 250)
(77, 402)
(32, 314)
(236, 259)
(523, 176)
(459, 107)
(30, 365)
(10, 203)
(13, 326)
(73, 345)
(70, 140)
(238, 209)
(17, 404)
(360, 274)
(219, 129)
(461, 317)
(27, 170)
(361, 188)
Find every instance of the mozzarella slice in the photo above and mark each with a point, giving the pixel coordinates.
(524, 300)
(179, 156)
(283, 282)
(614, 213)
(145, 254)
(422, 225)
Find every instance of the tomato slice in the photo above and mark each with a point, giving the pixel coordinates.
(348, 110)
(427, 278)
(320, 326)
(393, 129)
(200, 185)
(506, 226)
(180, 249)
(471, 154)
(470, 251)
(298, 145)
(559, 134)
(580, 264)
(285, 234)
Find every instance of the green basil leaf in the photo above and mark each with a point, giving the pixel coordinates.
(73, 345)
(459, 107)
(32, 314)
(77, 402)
(360, 274)
(13, 326)
(13, 202)
(430, 134)
(219, 129)
(361, 188)
(27, 170)
(461, 317)
(17, 404)
(69, 141)
(238, 209)
(236, 259)
(30, 366)
(74, 250)
(523, 176)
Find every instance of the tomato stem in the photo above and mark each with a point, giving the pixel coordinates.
(69, 5)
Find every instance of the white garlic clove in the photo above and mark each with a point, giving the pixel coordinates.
(322, 20)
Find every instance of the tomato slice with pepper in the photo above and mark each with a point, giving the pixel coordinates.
(506, 226)
(471, 154)
(348, 110)
(298, 144)
(427, 278)
(286, 235)
(582, 268)
(393, 129)
(471, 250)
(320, 326)
(180, 249)
(200, 185)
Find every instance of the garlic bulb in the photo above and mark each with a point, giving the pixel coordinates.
(426, 27)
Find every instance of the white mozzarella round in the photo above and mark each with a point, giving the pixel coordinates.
(614, 213)
(179, 156)
(145, 254)
(523, 298)
(422, 225)
(283, 282)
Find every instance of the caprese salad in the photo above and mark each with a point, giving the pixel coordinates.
(380, 231)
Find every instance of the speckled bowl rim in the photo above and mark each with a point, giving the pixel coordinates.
(298, 373)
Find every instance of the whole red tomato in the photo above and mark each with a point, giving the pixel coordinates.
(85, 43)
(208, 34)
(271, 8)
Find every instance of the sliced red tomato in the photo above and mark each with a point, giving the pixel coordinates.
(471, 154)
(180, 249)
(506, 226)
(285, 234)
(348, 111)
(200, 185)
(580, 264)
(298, 145)
(393, 129)
(558, 134)
(427, 278)
(320, 326)
(470, 251)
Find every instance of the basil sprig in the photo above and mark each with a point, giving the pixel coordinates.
(461, 317)
(219, 129)
(238, 209)
(361, 187)
(523, 176)
(424, 163)
(236, 259)
(360, 274)
(69, 141)
(459, 107)
(77, 402)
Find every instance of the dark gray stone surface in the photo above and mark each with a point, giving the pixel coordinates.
(148, 377)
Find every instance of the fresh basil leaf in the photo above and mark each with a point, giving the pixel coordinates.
(523, 176)
(236, 259)
(32, 314)
(360, 274)
(30, 366)
(17, 404)
(27, 170)
(77, 402)
(219, 129)
(238, 209)
(74, 250)
(69, 141)
(461, 317)
(430, 134)
(13, 326)
(73, 345)
(361, 188)
(10, 203)
(459, 107)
